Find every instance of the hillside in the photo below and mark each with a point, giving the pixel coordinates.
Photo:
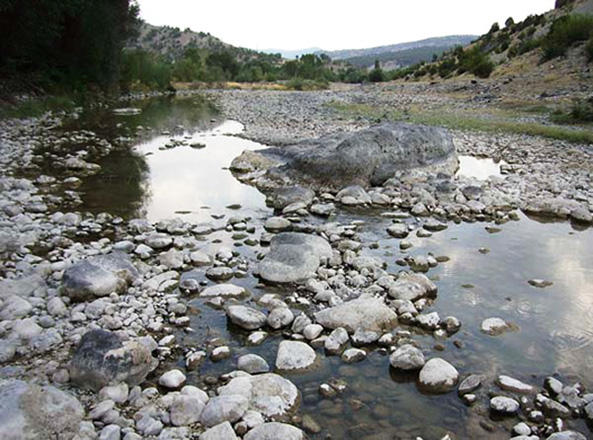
(401, 58)
(437, 42)
(171, 43)
(541, 51)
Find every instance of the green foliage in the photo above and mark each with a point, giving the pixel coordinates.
(565, 32)
(377, 75)
(37, 107)
(524, 47)
(73, 43)
(580, 111)
(495, 28)
(143, 70)
(474, 61)
(509, 22)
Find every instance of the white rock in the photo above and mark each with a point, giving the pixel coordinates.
(172, 379)
(253, 364)
(295, 355)
(275, 431)
(438, 376)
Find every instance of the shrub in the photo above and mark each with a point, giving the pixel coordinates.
(376, 75)
(565, 32)
(476, 62)
(589, 49)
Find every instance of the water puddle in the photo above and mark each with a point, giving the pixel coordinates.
(478, 168)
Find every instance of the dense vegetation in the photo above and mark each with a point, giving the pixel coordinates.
(67, 44)
(565, 32)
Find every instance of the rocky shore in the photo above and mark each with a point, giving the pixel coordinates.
(90, 304)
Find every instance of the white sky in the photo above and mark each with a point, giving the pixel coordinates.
(335, 24)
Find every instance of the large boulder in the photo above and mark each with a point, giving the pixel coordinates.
(366, 157)
(29, 412)
(269, 394)
(98, 276)
(103, 358)
(293, 257)
(365, 312)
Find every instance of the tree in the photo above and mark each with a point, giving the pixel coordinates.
(67, 42)
(510, 22)
(377, 75)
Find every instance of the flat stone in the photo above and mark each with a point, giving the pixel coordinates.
(246, 317)
(508, 383)
(293, 257)
(223, 290)
(365, 312)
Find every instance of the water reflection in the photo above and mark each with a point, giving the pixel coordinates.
(478, 168)
(186, 179)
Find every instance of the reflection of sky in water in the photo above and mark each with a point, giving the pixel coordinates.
(556, 323)
(478, 168)
(187, 179)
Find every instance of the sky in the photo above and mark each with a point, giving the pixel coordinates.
(335, 24)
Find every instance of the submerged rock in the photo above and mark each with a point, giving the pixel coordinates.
(293, 257)
(407, 357)
(29, 412)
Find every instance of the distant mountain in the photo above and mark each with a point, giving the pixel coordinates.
(438, 42)
(171, 43)
(291, 54)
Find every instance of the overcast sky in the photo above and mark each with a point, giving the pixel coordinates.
(335, 24)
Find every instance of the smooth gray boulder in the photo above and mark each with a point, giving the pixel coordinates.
(275, 431)
(103, 358)
(98, 276)
(366, 157)
(29, 412)
(365, 312)
(293, 257)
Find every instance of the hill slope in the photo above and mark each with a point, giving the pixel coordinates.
(171, 43)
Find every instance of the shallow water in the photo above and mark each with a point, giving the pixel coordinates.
(554, 325)
(478, 167)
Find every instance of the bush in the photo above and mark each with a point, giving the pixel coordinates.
(376, 75)
(580, 111)
(589, 49)
(565, 32)
(476, 62)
